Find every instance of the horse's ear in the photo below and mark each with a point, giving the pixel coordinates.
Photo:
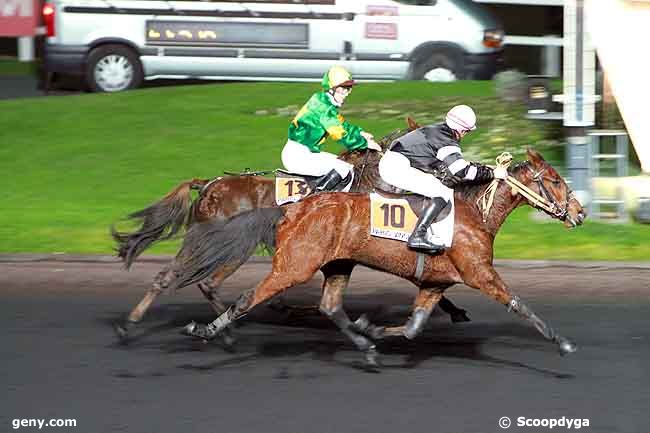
(534, 156)
(413, 125)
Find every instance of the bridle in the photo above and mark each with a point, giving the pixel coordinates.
(544, 202)
(550, 204)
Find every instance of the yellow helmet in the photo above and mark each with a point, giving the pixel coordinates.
(337, 76)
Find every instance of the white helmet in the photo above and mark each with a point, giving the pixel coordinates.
(461, 118)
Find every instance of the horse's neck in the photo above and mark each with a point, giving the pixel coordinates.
(504, 203)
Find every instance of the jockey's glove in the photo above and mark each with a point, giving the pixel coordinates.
(500, 173)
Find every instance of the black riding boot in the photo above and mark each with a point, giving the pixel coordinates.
(418, 239)
(344, 182)
(329, 182)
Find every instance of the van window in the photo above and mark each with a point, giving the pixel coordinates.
(418, 2)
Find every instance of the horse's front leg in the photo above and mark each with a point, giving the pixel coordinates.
(332, 306)
(486, 279)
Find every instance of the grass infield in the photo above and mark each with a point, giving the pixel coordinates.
(73, 165)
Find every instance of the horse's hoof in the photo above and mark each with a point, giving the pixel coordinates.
(375, 332)
(228, 339)
(362, 323)
(190, 329)
(566, 346)
(363, 326)
(460, 316)
(196, 330)
(122, 331)
(371, 358)
(278, 306)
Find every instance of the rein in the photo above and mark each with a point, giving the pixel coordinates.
(547, 203)
(363, 167)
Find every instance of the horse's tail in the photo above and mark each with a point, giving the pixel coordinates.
(213, 244)
(160, 221)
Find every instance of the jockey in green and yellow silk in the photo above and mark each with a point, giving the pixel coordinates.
(317, 120)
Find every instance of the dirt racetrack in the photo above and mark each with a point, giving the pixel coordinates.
(290, 373)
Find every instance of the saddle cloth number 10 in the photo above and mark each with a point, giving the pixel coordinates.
(391, 218)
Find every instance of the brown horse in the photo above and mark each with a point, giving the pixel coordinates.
(220, 199)
(331, 232)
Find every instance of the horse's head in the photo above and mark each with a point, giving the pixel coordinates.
(542, 178)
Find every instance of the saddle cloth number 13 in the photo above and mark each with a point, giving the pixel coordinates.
(289, 189)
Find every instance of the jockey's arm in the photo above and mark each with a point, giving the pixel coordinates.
(344, 132)
(464, 171)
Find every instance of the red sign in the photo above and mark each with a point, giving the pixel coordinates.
(381, 31)
(18, 17)
(386, 11)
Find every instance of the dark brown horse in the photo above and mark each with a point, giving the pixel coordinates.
(331, 232)
(220, 199)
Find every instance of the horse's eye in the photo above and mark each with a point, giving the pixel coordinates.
(556, 181)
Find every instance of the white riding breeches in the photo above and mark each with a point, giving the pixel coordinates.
(395, 169)
(297, 158)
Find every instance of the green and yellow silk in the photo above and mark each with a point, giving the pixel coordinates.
(319, 119)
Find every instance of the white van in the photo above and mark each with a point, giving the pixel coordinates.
(116, 44)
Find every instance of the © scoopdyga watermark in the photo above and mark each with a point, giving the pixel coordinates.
(40, 423)
(550, 423)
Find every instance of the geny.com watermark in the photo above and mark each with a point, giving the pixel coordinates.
(550, 423)
(40, 423)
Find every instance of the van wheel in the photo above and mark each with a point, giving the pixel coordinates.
(438, 67)
(113, 68)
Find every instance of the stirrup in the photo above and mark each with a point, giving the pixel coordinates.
(427, 247)
(422, 243)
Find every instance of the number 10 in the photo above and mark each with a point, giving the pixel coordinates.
(396, 214)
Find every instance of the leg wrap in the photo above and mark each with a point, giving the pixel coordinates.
(519, 307)
(344, 323)
(565, 345)
(417, 321)
(210, 330)
(220, 323)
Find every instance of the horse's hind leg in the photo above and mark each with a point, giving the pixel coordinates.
(160, 282)
(210, 289)
(210, 286)
(425, 301)
(456, 314)
(285, 273)
(489, 282)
